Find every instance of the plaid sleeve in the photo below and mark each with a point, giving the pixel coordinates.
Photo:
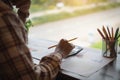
(15, 59)
(50, 66)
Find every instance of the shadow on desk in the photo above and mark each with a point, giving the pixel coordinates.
(62, 76)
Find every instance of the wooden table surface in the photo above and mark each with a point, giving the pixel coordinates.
(109, 72)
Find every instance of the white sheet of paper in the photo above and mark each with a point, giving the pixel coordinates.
(86, 64)
(39, 48)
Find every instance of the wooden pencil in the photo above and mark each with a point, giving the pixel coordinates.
(56, 45)
(106, 34)
(101, 33)
(112, 34)
(116, 33)
(109, 33)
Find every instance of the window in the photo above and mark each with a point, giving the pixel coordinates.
(70, 21)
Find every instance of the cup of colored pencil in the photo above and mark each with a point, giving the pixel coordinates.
(109, 41)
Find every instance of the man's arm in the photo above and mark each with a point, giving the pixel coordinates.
(50, 66)
(15, 59)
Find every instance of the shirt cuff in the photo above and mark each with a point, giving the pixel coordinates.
(56, 56)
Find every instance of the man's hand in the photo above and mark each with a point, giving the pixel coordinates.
(64, 47)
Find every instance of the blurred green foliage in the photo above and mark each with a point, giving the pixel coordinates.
(81, 2)
(28, 24)
(66, 2)
(97, 45)
(38, 5)
(64, 15)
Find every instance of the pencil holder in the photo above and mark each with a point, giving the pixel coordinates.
(109, 48)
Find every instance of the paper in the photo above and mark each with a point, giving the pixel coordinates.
(39, 48)
(85, 65)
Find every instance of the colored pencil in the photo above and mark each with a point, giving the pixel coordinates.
(101, 34)
(56, 45)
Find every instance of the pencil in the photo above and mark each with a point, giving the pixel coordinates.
(101, 33)
(109, 33)
(56, 45)
(116, 33)
(112, 34)
(105, 32)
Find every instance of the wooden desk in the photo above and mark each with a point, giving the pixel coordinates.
(108, 72)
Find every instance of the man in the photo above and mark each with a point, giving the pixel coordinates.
(15, 59)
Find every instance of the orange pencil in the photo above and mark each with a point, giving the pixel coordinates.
(112, 34)
(56, 45)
